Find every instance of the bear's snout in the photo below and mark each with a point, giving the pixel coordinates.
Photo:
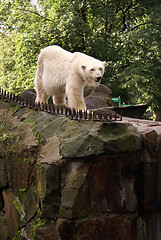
(98, 79)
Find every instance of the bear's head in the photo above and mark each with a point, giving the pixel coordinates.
(90, 69)
(93, 72)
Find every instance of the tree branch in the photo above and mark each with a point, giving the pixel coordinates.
(143, 24)
(116, 11)
(124, 16)
(36, 13)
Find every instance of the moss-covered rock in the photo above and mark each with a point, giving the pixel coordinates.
(3, 173)
(3, 227)
(84, 138)
(80, 139)
(48, 189)
(11, 212)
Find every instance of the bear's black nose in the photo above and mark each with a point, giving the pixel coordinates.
(98, 79)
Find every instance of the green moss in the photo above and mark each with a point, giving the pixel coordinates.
(18, 236)
(41, 182)
(34, 121)
(21, 193)
(14, 108)
(1, 128)
(7, 139)
(2, 219)
(37, 223)
(38, 207)
(26, 159)
(18, 202)
(39, 164)
(18, 206)
(38, 136)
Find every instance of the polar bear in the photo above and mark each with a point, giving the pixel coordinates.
(63, 75)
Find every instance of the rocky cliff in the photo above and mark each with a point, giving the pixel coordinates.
(78, 180)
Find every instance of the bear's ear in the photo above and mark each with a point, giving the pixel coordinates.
(83, 67)
(104, 63)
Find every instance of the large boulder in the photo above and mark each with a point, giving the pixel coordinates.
(63, 179)
(98, 97)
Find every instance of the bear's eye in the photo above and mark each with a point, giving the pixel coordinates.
(100, 69)
(92, 69)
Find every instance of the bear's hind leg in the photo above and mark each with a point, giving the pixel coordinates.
(41, 95)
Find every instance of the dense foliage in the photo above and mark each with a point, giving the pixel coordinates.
(125, 33)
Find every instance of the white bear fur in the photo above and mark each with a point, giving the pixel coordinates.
(62, 74)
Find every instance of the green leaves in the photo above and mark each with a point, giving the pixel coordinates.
(124, 33)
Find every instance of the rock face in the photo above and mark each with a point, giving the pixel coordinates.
(78, 180)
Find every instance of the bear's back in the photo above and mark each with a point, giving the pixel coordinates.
(54, 60)
(55, 52)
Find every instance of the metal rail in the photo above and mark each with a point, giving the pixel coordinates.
(101, 114)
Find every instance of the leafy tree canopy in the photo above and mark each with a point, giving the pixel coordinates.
(125, 33)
